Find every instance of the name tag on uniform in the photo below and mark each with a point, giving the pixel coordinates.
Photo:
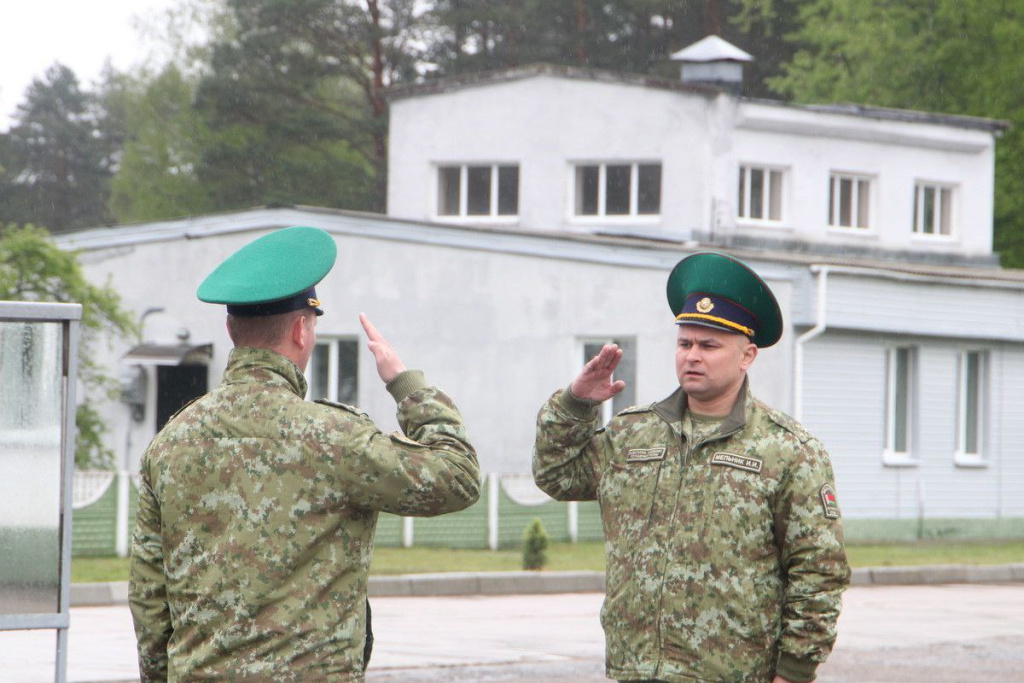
(740, 462)
(645, 454)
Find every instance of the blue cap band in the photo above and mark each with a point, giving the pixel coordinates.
(306, 299)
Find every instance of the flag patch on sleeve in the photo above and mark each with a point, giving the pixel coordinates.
(828, 500)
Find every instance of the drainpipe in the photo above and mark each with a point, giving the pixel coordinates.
(821, 309)
(121, 531)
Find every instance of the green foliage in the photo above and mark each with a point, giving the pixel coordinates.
(295, 105)
(535, 546)
(590, 557)
(55, 161)
(950, 56)
(90, 451)
(282, 102)
(163, 139)
(621, 35)
(33, 268)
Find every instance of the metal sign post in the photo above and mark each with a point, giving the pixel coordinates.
(38, 369)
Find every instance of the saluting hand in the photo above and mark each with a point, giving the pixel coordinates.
(389, 365)
(594, 383)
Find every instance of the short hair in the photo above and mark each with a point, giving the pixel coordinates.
(262, 332)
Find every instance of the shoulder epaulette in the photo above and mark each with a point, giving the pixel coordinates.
(789, 424)
(179, 410)
(341, 406)
(637, 409)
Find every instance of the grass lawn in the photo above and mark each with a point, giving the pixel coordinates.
(590, 556)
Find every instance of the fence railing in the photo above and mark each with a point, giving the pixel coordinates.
(104, 514)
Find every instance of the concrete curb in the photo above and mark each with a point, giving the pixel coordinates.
(939, 573)
(99, 594)
(516, 583)
(487, 583)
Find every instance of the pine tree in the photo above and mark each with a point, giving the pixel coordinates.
(56, 161)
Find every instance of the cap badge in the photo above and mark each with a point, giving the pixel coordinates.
(313, 303)
(705, 305)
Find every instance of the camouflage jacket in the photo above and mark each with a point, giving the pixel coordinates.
(725, 558)
(256, 517)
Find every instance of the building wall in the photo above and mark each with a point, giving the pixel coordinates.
(496, 319)
(497, 329)
(895, 154)
(930, 306)
(1008, 424)
(546, 124)
(845, 407)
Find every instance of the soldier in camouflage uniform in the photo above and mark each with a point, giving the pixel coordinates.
(257, 509)
(725, 557)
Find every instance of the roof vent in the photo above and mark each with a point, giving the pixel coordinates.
(713, 61)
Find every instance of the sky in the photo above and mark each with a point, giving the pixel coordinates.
(82, 35)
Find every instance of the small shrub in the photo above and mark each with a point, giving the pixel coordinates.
(535, 546)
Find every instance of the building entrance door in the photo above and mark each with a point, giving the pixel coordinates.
(176, 385)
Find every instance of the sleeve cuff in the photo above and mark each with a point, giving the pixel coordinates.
(795, 669)
(405, 383)
(579, 408)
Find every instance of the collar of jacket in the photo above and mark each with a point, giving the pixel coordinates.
(671, 409)
(248, 364)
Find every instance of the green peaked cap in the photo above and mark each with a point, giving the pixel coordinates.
(719, 291)
(284, 264)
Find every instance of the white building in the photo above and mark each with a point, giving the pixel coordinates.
(557, 148)
(536, 213)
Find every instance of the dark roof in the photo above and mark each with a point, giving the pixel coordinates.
(888, 114)
(550, 243)
(446, 84)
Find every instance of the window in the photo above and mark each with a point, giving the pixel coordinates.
(849, 201)
(933, 209)
(617, 190)
(760, 194)
(489, 191)
(900, 405)
(626, 372)
(972, 374)
(333, 371)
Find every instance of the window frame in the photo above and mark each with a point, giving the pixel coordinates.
(602, 215)
(833, 219)
(960, 455)
(627, 397)
(917, 210)
(908, 456)
(745, 171)
(333, 360)
(494, 199)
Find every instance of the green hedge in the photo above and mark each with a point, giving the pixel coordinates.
(938, 529)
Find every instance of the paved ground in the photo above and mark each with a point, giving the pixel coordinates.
(897, 634)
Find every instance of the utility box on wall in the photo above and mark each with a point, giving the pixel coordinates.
(38, 363)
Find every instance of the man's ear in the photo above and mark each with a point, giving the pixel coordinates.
(749, 354)
(299, 332)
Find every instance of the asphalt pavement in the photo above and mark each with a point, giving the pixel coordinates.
(941, 633)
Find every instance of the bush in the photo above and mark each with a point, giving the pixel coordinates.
(535, 546)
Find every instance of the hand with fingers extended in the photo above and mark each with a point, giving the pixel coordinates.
(594, 383)
(389, 365)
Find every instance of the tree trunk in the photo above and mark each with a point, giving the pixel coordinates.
(581, 27)
(712, 18)
(378, 104)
